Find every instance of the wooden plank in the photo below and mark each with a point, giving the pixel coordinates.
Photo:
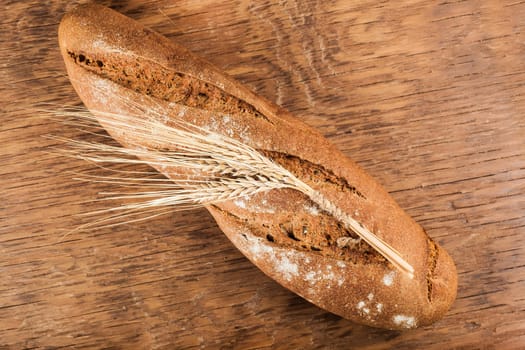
(426, 96)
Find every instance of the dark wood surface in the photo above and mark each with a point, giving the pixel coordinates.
(428, 96)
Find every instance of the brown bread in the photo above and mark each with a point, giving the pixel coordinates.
(113, 60)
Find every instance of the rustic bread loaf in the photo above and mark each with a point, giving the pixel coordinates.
(119, 66)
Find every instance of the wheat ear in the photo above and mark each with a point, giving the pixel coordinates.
(225, 169)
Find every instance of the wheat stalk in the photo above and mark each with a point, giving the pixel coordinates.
(225, 169)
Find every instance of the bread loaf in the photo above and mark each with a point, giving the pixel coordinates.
(116, 65)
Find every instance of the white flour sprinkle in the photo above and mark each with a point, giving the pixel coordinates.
(379, 308)
(311, 209)
(287, 268)
(369, 309)
(311, 277)
(240, 202)
(257, 248)
(405, 321)
(282, 262)
(264, 207)
(329, 276)
(388, 279)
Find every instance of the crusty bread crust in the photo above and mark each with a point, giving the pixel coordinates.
(113, 60)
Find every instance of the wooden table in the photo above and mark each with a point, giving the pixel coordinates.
(429, 97)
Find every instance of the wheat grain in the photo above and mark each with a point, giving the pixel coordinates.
(225, 169)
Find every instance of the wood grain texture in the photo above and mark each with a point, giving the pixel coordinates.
(429, 97)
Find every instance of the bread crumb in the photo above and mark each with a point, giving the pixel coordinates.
(370, 296)
(388, 279)
(405, 321)
(361, 305)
